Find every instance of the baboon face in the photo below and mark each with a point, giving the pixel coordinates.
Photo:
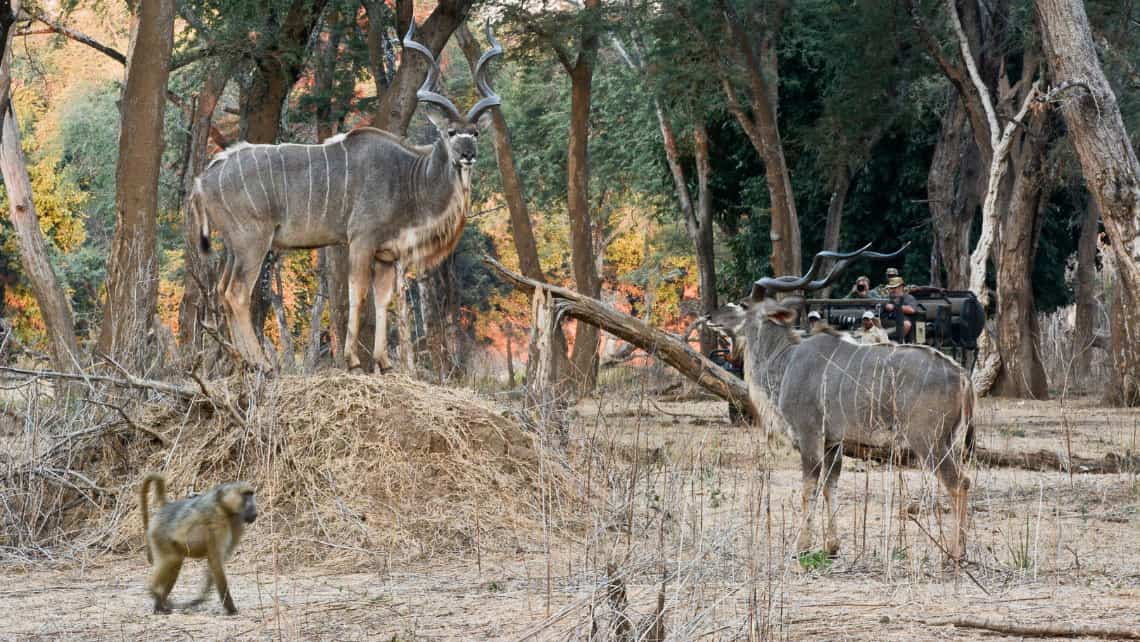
(238, 499)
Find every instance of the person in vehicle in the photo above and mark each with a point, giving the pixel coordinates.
(901, 308)
(870, 332)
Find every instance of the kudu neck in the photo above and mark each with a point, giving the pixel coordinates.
(769, 348)
(440, 169)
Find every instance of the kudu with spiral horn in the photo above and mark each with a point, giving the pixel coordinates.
(829, 390)
(387, 200)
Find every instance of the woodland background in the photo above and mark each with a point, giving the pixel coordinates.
(659, 156)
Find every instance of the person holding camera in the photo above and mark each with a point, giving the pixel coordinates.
(861, 289)
(902, 307)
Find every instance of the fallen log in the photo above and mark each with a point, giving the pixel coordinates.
(657, 343)
(1038, 460)
(1052, 630)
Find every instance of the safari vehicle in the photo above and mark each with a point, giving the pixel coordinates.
(947, 320)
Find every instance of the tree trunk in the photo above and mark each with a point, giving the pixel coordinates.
(1111, 171)
(1084, 326)
(132, 269)
(288, 357)
(191, 311)
(763, 131)
(1021, 373)
(840, 185)
(698, 219)
(952, 186)
(278, 68)
(522, 232)
(706, 261)
(396, 105)
(49, 296)
(317, 313)
(585, 355)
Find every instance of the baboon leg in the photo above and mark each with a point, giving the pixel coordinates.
(832, 467)
(207, 586)
(383, 286)
(215, 557)
(162, 578)
(359, 276)
(958, 487)
(239, 294)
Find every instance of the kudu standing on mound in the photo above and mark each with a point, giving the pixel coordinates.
(829, 388)
(387, 200)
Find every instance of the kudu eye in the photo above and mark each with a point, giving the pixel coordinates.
(451, 133)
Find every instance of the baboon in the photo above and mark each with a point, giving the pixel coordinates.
(207, 525)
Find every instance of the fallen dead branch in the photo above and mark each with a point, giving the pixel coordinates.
(129, 381)
(1056, 630)
(655, 342)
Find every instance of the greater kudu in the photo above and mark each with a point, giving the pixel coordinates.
(385, 199)
(829, 389)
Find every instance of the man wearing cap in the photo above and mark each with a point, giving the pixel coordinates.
(812, 318)
(870, 332)
(861, 289)
(902, 308)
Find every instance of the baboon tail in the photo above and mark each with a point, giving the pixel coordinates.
(160, 491)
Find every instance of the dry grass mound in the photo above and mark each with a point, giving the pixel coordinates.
(352, 466)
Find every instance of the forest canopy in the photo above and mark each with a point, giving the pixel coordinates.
(660, 156)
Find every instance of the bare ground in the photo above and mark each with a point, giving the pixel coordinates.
(708, 506)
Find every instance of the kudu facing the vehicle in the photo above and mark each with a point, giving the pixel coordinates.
(829, 388)
(385, 199)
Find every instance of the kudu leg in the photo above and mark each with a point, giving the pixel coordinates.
(383, 286)
(359, 276)
(832, 467)
(958, 487)
(243, 272)
(812, 457)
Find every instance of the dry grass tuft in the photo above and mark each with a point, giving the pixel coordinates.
(347, 467)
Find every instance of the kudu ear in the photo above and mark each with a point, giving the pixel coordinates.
(437, 117)
(485, 119)
(777, 313)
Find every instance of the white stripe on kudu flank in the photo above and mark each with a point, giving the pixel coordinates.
(260, 181)
(309, 209)
(328, 181)
(272, 180)
(285, 178)
(344, 200)
(241, 172)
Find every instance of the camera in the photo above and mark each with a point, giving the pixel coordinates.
(860, 287)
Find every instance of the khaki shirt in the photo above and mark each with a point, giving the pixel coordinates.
(872, 336)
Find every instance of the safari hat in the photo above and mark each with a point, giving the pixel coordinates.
(895, 282)
(813, 315)
(863, 277)
(892, 272)
(867, 314)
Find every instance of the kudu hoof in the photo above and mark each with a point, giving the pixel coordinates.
(383, 369)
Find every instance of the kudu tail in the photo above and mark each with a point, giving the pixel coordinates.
(968, 401)
(202, 223)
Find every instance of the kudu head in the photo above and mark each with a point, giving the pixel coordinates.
(458, 132)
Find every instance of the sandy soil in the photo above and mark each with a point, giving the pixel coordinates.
(716, 510)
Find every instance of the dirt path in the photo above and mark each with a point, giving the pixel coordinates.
(709, 505)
